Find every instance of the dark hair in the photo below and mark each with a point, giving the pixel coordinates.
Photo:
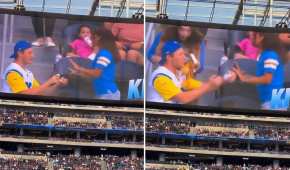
(106, 40)
(171, 33)
(84, 26)
(271, 41)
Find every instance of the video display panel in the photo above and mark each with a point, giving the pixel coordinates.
(74, 57)
(195, 64)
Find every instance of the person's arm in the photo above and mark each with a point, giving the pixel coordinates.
(71, 50)
(265, 79)
(192, 95)
(152, 53)
(213, 83)
(84, 72)
(17, 85)
(270, 65)
(137, 45)
(169, 91)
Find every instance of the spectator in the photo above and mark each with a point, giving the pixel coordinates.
(130, 41)
(43, 28)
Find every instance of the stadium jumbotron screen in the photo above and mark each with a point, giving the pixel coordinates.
(71, 56)
(219, 66)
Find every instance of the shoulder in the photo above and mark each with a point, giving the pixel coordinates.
(105, 55)
(270, 54)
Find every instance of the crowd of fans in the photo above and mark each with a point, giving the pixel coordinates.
(42, 118)
(15, 117)
(87, 125)
(203, 166)
(233, 167)
(178, 125)
(126, 122)
(217, 129)
(22, 164)
(71, 162)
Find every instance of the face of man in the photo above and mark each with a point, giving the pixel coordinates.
(178, 59)
(26, 56)
(184, 32)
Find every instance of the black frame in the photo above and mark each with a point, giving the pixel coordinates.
(213, 109)
(67, 100)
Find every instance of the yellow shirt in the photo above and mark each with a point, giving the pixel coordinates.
(165, 87)
(17, 83)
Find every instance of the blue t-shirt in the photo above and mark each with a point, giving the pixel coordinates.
(105, 83)
(270, 62)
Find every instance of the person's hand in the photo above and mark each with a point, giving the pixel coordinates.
(63, 81)
(53, 80)
(137, 45)
(240, 73)
(215, 82)
(230, 77)
(240, 56)
(75, 69)
(120, 45)
(71, 54)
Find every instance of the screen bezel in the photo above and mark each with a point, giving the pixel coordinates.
(68, 100)
(213, 109)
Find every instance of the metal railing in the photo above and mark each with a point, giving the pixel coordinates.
(82, 7)
(199, 10)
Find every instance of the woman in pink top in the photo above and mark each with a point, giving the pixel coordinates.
(82, 46)
(246, 48)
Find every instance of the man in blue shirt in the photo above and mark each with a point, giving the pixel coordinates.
(269, 71)
(104, 73)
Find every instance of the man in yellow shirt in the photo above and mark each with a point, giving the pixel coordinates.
(165, 84)
(18, 79)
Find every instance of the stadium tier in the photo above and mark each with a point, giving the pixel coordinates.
(34, 161)
(79, 137)
(204, 140)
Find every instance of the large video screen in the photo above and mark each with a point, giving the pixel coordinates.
(195, 64)
(74, 57)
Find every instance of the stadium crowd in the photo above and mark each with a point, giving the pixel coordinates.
(70, 162)
(217, 129)
(59, 120)
(203, 166)
(16, 117)
(178, 125)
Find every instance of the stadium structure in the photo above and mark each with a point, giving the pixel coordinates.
(206, 140)
(36, 135)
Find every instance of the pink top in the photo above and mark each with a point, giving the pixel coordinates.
(249, 49)
(81, 48)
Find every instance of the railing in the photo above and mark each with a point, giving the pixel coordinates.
(224, 12)
(81, 7)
